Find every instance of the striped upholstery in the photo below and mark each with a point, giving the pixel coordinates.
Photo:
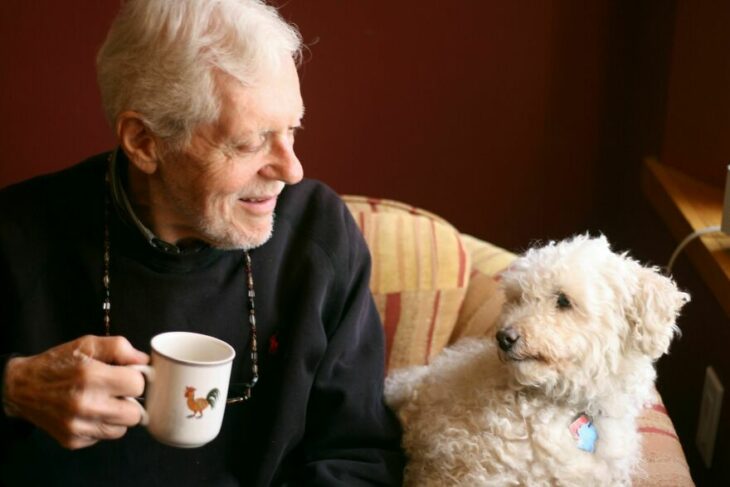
(483, 300)
(663, 462)
(433, 285)
(419, 276)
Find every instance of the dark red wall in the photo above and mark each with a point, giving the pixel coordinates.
(50, 115)
(488, 113)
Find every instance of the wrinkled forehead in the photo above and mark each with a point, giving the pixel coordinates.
(272, 102)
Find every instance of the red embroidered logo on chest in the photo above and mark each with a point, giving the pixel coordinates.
(273, 344)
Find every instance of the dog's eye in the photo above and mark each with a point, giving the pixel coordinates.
(563, 302)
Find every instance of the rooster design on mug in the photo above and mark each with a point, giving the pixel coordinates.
(198, 404)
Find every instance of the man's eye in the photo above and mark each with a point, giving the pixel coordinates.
(293, 131)
(562, 301)
(252, 146)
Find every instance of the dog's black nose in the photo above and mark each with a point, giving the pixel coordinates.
(507, 337)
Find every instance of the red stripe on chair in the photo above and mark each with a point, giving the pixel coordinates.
(434, 257)
(432, 326)
(374, 245)
(361, 222)
(657, 431)
(374, 202)
(390, 321)
(418, 244)
(462, 264)
(400, 258)
(658, 408)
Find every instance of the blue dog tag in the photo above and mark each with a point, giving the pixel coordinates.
(584, 433)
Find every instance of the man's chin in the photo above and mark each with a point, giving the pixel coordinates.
(240, 239)
(240, 245)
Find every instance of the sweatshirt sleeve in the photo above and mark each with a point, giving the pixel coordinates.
(352, 438)
(12, 429)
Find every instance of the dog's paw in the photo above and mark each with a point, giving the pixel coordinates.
(401, 386)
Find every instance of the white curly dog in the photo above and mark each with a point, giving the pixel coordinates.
(552, 399)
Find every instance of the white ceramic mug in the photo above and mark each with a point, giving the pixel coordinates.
(187, 387)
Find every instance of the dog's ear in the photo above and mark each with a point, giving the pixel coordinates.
(653, 315)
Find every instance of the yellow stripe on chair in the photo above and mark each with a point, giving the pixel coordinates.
(419, 276)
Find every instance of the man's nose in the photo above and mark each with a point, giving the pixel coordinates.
(283, 163)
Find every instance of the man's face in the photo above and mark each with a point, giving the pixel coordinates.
(222, 188)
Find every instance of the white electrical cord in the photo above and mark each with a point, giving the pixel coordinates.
(688, 239)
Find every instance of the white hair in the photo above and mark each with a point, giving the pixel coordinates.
(161, 56)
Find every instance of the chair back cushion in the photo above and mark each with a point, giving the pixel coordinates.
(419, 277)
(484, 296)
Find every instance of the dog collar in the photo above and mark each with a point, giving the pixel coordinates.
(584, 433)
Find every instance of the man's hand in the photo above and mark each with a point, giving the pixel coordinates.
(75, 391)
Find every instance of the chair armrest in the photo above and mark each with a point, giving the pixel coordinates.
(663, 461)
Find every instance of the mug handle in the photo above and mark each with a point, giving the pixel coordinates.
(149, 375)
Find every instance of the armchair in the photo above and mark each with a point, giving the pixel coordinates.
(433, 285)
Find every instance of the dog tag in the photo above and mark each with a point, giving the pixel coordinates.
(584, 433)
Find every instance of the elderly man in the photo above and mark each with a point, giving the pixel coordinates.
(175, 230)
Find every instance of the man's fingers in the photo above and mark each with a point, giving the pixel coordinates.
(111, 350)
(122, 412)
(103, 397)
(113, 410)
(116, 380)
(72, 392)
(82, 433)
(75, 442)
(106, 431)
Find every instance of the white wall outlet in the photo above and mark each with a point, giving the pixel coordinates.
(709, 415)
(726, 206)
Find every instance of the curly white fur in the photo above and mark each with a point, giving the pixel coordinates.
(588, 325)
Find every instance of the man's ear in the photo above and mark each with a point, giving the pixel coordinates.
(137, 141)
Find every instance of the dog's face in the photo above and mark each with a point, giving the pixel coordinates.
(577, 313)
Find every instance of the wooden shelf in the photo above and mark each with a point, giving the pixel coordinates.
(687, 205)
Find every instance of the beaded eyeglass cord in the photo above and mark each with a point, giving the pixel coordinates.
(251, 294)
